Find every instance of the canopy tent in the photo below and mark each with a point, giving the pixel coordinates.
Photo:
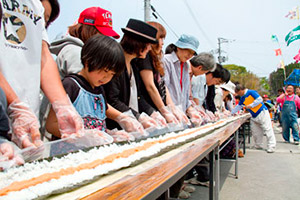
(294, 78)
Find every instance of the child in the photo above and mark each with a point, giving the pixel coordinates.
(102, 58)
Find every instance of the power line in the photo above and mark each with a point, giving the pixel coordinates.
(155, 13)
(198, 25)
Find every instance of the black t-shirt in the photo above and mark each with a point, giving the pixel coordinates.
(147, 64)
(73, 89)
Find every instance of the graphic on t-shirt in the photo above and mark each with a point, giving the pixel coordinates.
(14, 29)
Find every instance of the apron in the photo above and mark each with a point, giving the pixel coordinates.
(91, 107)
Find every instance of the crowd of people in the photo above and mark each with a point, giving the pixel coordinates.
(125, 88)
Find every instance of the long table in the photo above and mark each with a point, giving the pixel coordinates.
(153, 177)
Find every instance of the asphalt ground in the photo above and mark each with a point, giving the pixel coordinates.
(262, 175)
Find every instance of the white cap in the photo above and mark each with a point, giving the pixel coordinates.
(230, 86)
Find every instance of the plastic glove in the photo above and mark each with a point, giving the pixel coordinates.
(179, 114)
(8, 157)
(194, 115)
(201, 111)
(147, 121)
(226, 113)
(120, 135)
(25, 125)
(159, 119)
(69, 121)
(129, 123)
(217, 115)
(211, 115)
(168, 115)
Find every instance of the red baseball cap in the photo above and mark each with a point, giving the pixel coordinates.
(265, 96)
(99, 18)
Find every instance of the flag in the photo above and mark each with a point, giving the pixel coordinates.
(297, 57)
(278, 52)
(274, 38)
(293, 14)
(293, 35)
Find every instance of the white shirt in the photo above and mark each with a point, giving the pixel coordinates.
(22, 32)
(199, 88)
(133, 101)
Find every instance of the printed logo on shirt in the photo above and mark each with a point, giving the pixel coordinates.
(15, 6)
(14, 29)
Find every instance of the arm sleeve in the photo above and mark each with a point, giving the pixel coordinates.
(256, 102)
(71, 88)
(210, 99)
(236, 109)
(144, 106)
(144, 63)
(167, 72)
(112, 91)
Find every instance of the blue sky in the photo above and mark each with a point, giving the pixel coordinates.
(248, 24)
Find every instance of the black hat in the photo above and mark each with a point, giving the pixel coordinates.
(141, 31)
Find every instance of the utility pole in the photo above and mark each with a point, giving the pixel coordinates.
(220, 41)
(147, 7)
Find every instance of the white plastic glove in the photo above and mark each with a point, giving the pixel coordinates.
(147, 121)
(226, 113)
(179, 114)
(8, 157)
(168, 115)
(129, 123)
(195, 116)
(159, 119)
(218, 115)
(69, 121)
(25, 125)
(211, 115)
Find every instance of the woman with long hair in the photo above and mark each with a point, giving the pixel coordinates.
(152, 74)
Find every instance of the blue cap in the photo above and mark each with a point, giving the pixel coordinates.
(187, 42)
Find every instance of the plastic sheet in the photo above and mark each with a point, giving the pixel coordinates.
(91, 138)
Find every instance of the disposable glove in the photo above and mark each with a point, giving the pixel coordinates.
(25, 125)
(8, 157)
(129, 123)
(195, 116)
(181, 117)
(147, 121)
(159, 119)
(69, 121)
(168, 115)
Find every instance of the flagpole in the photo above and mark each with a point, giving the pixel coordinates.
(284, 74)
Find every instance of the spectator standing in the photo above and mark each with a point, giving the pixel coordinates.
(290, 102)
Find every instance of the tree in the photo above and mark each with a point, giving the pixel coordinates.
(277, 77)
(248, 79)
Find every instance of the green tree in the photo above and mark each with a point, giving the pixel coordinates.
(248, 79)
(277, 77)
